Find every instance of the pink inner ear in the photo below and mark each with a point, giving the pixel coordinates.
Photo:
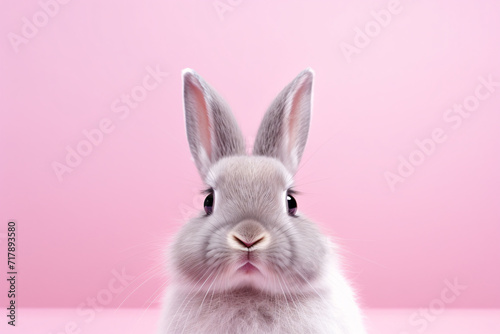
(295, 114)
(201, 116)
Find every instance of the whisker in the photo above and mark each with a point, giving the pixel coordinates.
(201, 305)
(194, 295)
(130, 294)
(187, 295)
(157, 295)
(314, 289)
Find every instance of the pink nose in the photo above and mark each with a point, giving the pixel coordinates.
(247, 243)
(248, 235)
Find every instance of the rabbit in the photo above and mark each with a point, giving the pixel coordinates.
(251, 262)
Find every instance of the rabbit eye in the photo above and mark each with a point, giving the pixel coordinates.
(291, 205)
(208, 204)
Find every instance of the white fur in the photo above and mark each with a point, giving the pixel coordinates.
(328, 309)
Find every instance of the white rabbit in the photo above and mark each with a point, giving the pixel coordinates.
(250, 263)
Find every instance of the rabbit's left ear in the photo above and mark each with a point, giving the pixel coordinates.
(284, 129)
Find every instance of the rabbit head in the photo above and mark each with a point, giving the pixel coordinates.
(250, 233)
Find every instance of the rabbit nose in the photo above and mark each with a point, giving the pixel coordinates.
(247, 244)
(248, 235)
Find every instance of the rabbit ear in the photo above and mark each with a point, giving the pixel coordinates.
(211, 128)
(284, 129)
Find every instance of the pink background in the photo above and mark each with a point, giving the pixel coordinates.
(119, 206)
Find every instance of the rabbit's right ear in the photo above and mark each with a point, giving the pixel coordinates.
(211, 128)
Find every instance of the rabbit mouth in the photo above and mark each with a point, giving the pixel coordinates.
(248, 268)
(247, 274)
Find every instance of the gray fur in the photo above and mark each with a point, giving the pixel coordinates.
(225, 136)
(276, 137)
(299, 286)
